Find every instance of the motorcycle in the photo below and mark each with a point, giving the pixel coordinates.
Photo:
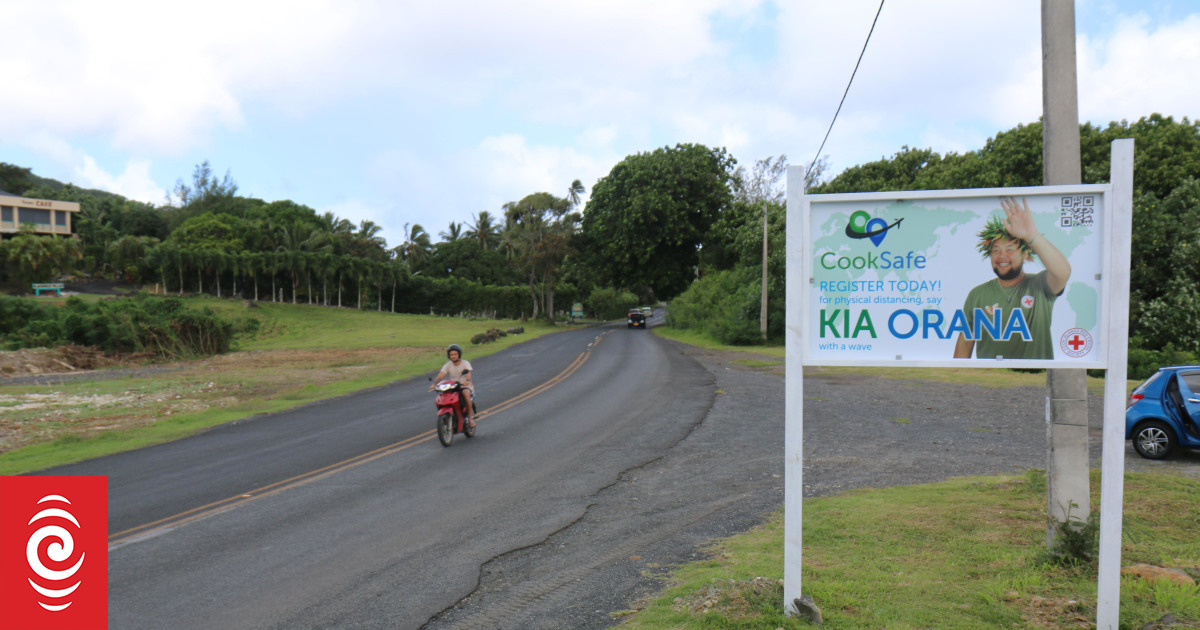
(451, 418)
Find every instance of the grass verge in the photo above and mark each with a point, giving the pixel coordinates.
(966, 553)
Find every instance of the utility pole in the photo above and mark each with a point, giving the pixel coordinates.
(762, 319)
(1067, 487)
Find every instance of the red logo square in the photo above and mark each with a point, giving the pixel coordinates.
(53, 553)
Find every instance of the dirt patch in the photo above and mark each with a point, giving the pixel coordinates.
(63, 359)
(735, 599)
(1056, 612)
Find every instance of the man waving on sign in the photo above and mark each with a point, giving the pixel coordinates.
(1013, 295)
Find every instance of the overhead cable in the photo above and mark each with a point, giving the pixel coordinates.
(848, 84)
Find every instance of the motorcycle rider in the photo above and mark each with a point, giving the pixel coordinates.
(458, 369)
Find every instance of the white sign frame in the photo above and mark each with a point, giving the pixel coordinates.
(1118, 223)
(977, 204)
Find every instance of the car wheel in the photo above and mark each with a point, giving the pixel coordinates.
(1154, 440)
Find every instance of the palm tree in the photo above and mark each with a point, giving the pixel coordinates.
(454, 233)
(254, 262)
(272, 263)
(128, 252)
(219, 262)
(237, 264)
(336, 232)
(575, 192)
(175, 256)
(399, 270)
(341, 265)
(380, 272)
(484, 230)
(34, 256)
(199, 258)
(367, 241)
(298, 240)
(323, 265)
(68, 251)
(416, 244)
(155, 260)
(358, 268)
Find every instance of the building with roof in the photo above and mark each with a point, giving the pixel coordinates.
(43, 215)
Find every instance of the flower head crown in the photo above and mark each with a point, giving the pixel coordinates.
(994, 231)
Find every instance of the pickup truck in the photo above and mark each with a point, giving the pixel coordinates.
(636, 319)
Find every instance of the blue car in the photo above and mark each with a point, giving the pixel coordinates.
(1164, 412)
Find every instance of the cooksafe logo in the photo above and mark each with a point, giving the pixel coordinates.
(53, 553)
(861, 225)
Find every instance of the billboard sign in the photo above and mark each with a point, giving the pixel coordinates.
(1006, 277)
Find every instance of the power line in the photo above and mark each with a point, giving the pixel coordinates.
(851, 81)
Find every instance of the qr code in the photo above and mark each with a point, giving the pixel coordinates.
(1077, 210)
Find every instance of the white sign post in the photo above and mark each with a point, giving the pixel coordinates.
(905, 279)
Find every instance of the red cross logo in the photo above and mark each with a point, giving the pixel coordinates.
(1076, 342)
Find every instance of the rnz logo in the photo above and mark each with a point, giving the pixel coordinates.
(59, 552)
(53, 553)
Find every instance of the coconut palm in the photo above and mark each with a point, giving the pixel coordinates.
(484, 230)
(399, 269)
(454, 233)
(416, 244)
(575, 193)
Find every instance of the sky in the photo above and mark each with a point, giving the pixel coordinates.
(404, 112)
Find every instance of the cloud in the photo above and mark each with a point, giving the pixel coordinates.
(133, 183)
(157, 77)
(509, 165)
(1163, 63)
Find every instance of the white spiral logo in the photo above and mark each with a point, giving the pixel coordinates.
(59, 551)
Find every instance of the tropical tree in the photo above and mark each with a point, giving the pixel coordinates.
(540, 227)
(207, 194)
(454, 233)
(39, 258)
(297, 241)
(484, 230)
(15, 179)
(366, 242)
(399, 270)
(416, 245)
(128, 253)
(575, 193)
(648, 218)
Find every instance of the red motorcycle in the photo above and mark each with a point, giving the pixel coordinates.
(451, 418)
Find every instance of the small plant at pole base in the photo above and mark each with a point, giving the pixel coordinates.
(1076, 542)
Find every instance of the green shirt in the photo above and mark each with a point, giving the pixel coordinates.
(1033, 298)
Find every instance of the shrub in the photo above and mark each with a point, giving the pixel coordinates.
(724, 304)
(608, 303)
(162, 326)
(1143, 362)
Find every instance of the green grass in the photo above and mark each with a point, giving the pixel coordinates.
(966, 553)
(284, 326)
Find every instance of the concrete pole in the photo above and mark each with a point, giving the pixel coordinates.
(762, 319)
(1068, 491)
